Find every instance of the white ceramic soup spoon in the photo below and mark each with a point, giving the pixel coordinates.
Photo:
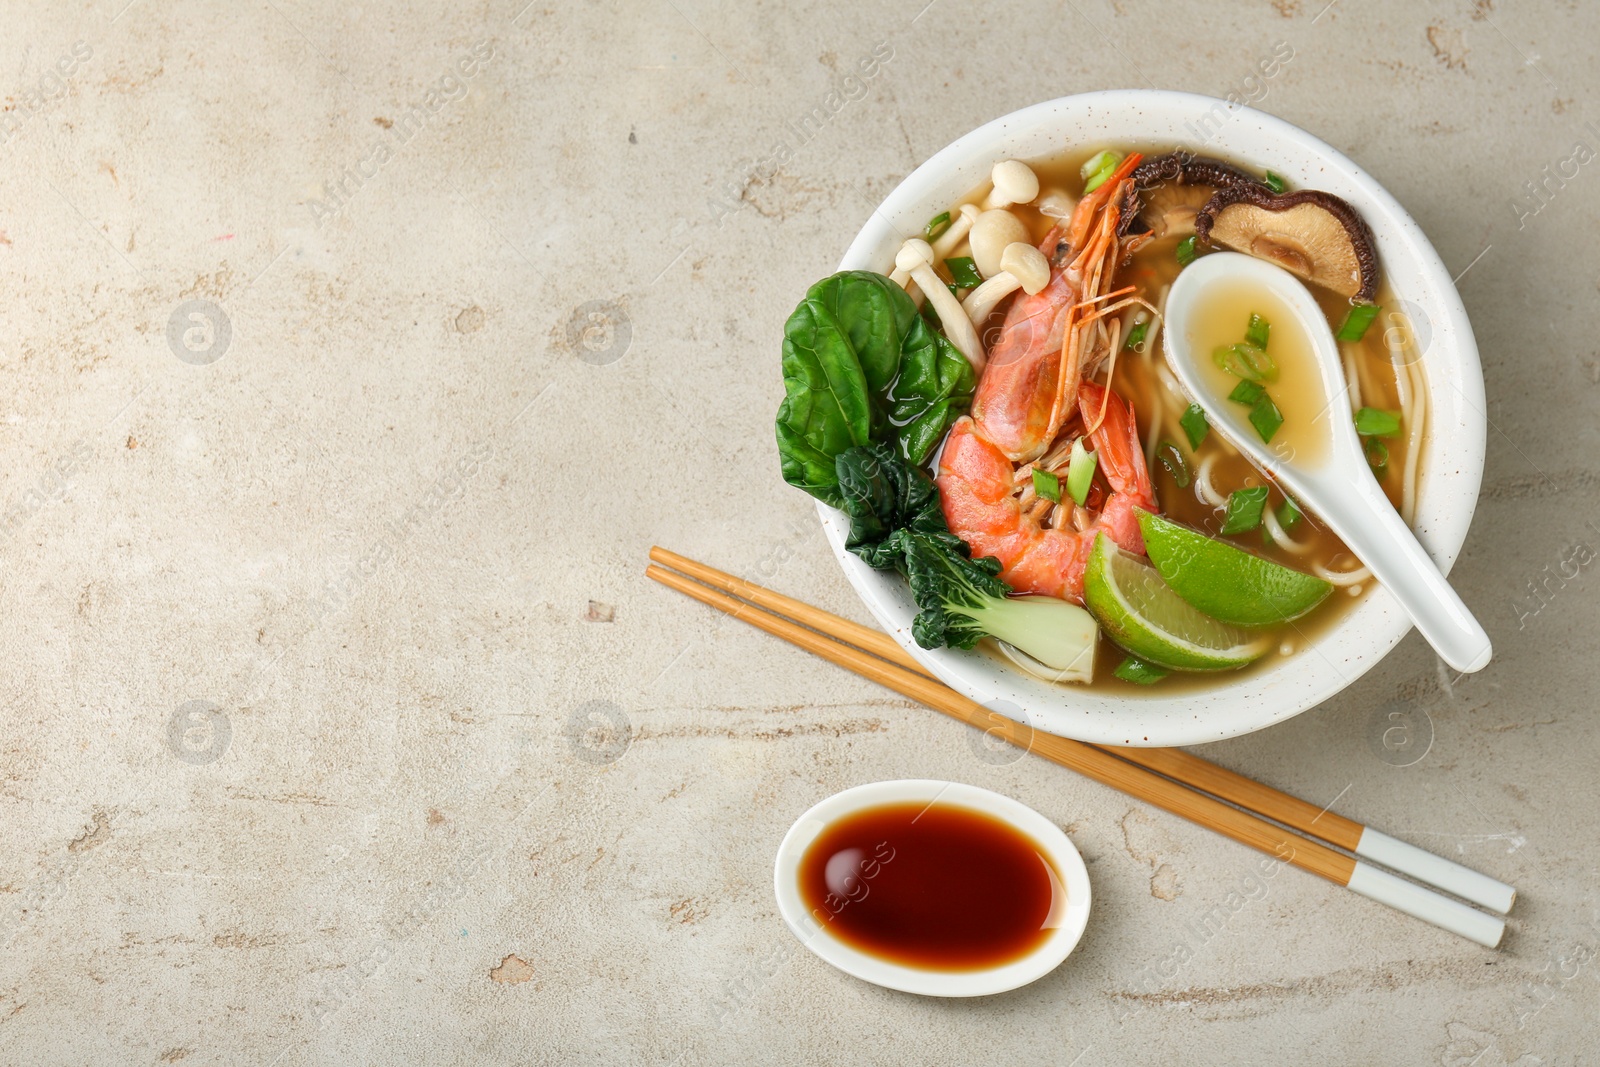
(1316, 454)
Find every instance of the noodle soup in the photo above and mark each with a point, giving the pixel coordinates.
(1383, 370)
(996, 420)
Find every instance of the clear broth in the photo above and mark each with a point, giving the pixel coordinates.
(1297, 387)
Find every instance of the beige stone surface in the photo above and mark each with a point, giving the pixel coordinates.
(337, 723)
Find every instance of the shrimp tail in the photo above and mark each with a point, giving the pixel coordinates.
(1116, 442)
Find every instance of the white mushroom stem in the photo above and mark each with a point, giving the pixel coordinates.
(1022, 266)
(960, 226)
(946, 243)
(916, 259)
(1014, 183)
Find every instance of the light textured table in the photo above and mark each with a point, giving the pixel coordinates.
(354, 355)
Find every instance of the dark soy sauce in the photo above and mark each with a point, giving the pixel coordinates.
(941, 887)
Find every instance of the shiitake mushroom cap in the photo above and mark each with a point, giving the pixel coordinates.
(1180, 169)
(1170, 210)
(1313, 234)
(1185, 168)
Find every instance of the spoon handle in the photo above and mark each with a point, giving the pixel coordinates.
(1380, 539)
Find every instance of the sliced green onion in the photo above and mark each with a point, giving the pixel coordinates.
(936, 226)
(1356, 323)
(1185, 252)
(1244, 510)
(1172, 459)
(1098, 162)
(1377, 456)
(1247, 362)
(1195, 426)
(1246, 393)
(1265, 417)
(1275, 183)
(1139, 672)
(963, 272)
(1288, 514)
(1046, 485)
(1258, 331)
(1376, 422)
(1095, 172)
(1136, 335)
(1080, 472)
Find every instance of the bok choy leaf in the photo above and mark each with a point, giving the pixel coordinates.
(896, 522)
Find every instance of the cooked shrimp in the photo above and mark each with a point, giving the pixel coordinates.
(1034, 387)
(1030, 387)
(979, 494)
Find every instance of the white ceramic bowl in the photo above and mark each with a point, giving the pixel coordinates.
(1449, 473)
(1069, 919)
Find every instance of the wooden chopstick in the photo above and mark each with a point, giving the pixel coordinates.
(1181, 766)
(875, 641)
(1093, 762)
(1329, 826)
(1099, 765)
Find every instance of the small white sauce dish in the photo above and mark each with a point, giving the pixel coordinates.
(1067, 920)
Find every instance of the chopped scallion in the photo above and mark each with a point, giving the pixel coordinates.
(1377, 456)
(1098, 162)
(963, 272)
(1095, 172)
(1258, 331)
(1246, 361)
(1265, 417)
(1195, 426)
(1185, 252)
(1244, 510)
(1357, 321)
(1376, 422)
(1136, 335)
(936, 226)
(1246, 392)
(1080, 472)
(1046, 485)
(1288, 514)
(1139, 672)
(1264, 413)
(1171, 457)
(1275, 183)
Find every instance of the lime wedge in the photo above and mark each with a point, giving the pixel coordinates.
(1139, 612)
(1225, 581)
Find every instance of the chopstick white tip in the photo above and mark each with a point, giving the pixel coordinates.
(1424, 866)
(1427, 905)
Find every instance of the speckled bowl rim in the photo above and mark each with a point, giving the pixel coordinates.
(1449, 474)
